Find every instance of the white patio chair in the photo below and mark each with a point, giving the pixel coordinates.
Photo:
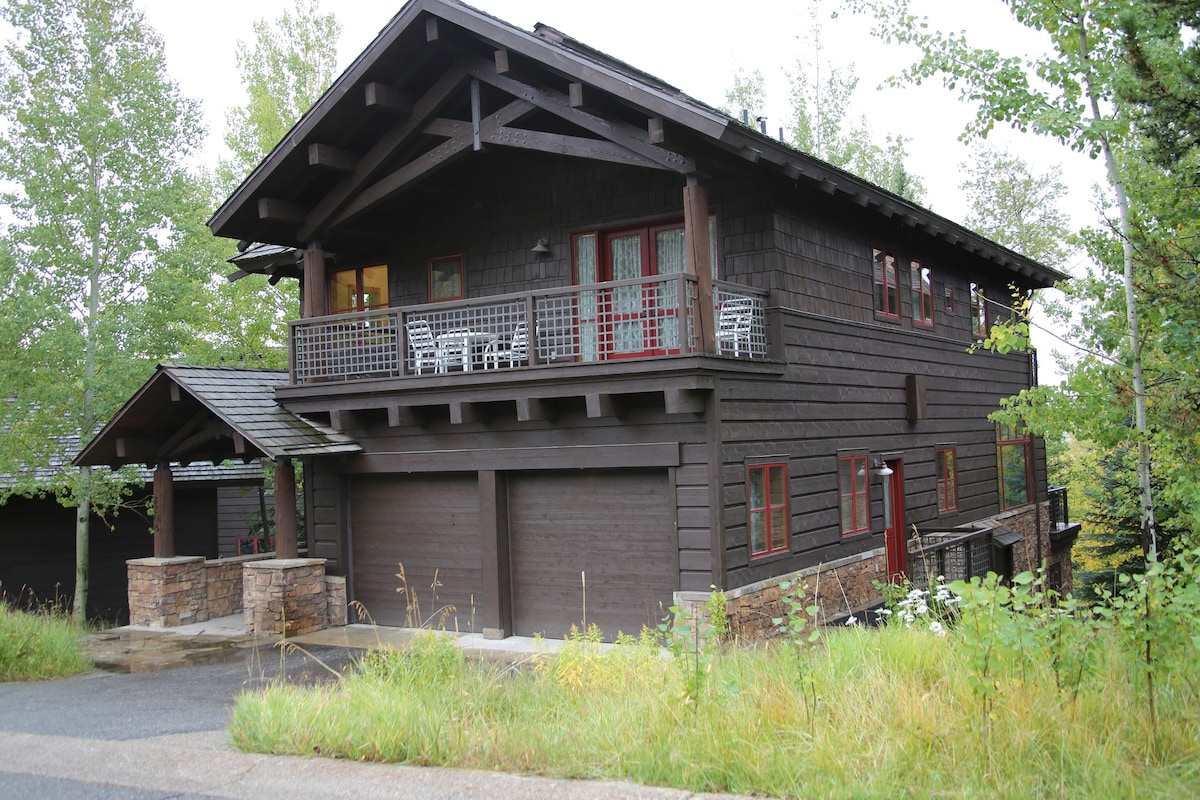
(425, 351)
(515, 351)
(735, 325)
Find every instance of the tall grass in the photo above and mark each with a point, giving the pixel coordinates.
(39, 645)
(895, 715)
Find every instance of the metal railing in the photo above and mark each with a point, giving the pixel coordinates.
(950, 555)
(644, 317)
(1060, 512)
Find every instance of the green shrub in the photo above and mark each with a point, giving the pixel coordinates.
(39, 645)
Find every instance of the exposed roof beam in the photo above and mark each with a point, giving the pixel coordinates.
(435, 159)
(534, 408)
(629, 136)
(276, 210)
(335, 158)
(388, 98)
(598, 149)
(655, 132)
(371, 163)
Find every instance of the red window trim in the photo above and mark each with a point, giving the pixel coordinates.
(948, 483)
(766, 510)
(856, 525)
(649, 251)
(1007, 436)
(981, 320)
(891, 290)
(358, 289)
(922, 296)
(462, 278)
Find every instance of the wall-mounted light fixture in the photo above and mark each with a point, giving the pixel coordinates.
(881, 468)
(541, 246)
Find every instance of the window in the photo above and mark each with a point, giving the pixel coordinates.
(359, 289)
(887, 284)
(947, 479)
(922, 293)
(852, 488)
(445, 278)
(1014, 463)
(767, 508)
(979, 312)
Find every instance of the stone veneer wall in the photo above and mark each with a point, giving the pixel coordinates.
(166, 592)
(840, 588)
(1033, 523)
(335, 600)
(223, 579)
(285, 596)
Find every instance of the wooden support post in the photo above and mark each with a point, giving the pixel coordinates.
(164, 511)
(494, 550)
(699, 260)
(286, 541)
(316, 303)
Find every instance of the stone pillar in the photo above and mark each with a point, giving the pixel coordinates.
(166, 592)
(164, 511)
(286, 544)
(284, 597)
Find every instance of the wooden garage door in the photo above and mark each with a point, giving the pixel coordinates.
(615, 526)
(430, 524)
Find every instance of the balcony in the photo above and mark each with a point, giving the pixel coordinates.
(956, 554)
(1063, 532)
(640, 318)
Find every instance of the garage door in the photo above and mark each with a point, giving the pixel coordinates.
(430, 524)
(616, 527)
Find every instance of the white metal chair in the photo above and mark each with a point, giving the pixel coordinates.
(515, 352)
(425, 351)
(735, 326)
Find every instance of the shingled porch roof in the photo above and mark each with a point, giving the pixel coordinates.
(187, 414)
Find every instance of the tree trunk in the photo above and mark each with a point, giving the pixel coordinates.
(83, 516)
(1145, 493)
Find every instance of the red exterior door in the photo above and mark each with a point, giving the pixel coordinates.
(895, 538)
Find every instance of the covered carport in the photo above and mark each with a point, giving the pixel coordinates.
(183, 415)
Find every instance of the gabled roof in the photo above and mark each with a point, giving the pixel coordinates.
(187, 414)
(444, 81)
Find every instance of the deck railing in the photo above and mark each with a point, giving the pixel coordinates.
(643, 317)
(950, 555)
(1060, 512)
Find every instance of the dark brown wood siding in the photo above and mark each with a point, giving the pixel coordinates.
(325, 514)
(613, 528)
(430, 525)
(846, 388)
(37, 538)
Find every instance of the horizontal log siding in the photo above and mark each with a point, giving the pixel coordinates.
(845, 388)
(325, 516)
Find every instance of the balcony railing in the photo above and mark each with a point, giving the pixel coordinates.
(951, 555)
(1060, 512)
(644, 317)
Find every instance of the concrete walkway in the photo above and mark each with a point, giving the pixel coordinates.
(143, 649)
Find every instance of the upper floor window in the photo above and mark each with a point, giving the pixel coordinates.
(767, 508)
(445, 278)
(947, 478)
(1014, 465)
(358, 289)
(636, 252)
(887, 284)
(979, 311)
(921, 281)
(855, 503)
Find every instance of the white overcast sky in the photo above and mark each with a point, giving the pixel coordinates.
(694, 44)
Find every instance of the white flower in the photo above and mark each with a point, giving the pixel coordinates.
(937, 628)
(851, 621)
(922, 609)
(883, 612)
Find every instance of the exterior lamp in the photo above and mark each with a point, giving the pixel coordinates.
(541, 246)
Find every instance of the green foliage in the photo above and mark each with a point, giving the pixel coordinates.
(290, 65)
(693, 634)
(39, 645)
(893, 698)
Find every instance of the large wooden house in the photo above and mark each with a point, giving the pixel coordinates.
(599, 344)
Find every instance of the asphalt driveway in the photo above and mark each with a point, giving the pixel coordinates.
(144, 736)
